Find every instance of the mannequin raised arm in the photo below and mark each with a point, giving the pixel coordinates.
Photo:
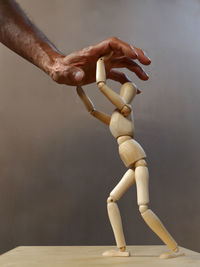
(113, 97)
(90, 107)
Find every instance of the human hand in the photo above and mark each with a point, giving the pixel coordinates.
(79, 68)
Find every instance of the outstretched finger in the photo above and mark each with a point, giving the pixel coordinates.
(116, 45)
(120, 77)
(142, 56)
(126, 62)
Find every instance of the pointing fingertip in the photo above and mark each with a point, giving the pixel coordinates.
(149, 60)
(145, 53)
(146, 76)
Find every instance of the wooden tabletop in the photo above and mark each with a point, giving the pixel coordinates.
(82, 256)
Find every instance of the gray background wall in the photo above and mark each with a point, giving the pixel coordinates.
(58, 164)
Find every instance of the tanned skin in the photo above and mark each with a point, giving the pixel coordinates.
(19, 34)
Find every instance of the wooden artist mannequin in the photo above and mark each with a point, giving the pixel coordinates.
(132, 154)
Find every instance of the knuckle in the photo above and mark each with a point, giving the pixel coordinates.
(88, 48)
(57, 79)
(59, 74)
(110, 199)
(113, 39)
(134, 50)
(88, 51)
(55, 76)
(123, 75)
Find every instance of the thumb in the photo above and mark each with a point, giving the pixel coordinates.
(77, 75)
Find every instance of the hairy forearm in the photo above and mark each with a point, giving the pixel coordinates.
(19, 34)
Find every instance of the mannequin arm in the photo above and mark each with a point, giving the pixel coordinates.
(90, 107)
(113, 97)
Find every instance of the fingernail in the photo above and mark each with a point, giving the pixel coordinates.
(134, 50)
(146, 55)
(146, 74)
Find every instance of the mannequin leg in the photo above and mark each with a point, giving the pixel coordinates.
(114, 214)
(142, 178)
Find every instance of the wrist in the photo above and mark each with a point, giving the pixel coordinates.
(51, 62)
(57, 68)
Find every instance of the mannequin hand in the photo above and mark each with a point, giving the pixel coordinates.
(126, 110)
(79, 68)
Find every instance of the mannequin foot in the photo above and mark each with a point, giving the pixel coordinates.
(116, 253)
(171, 254)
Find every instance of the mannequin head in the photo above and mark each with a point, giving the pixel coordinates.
(128, 91)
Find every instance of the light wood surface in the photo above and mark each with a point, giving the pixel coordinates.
(114, 98)
(90, 106)
(130, 152)
(85, 99)
(82, 256)
(128, 91)
(121, 126)
(116, 223)
(127, 180)
(105, 118)
(100, 71)
(157, 227)
(142, 184)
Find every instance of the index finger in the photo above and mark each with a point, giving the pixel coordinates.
(142, 56)
(116, 45)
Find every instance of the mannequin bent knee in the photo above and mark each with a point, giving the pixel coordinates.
(110, 199)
